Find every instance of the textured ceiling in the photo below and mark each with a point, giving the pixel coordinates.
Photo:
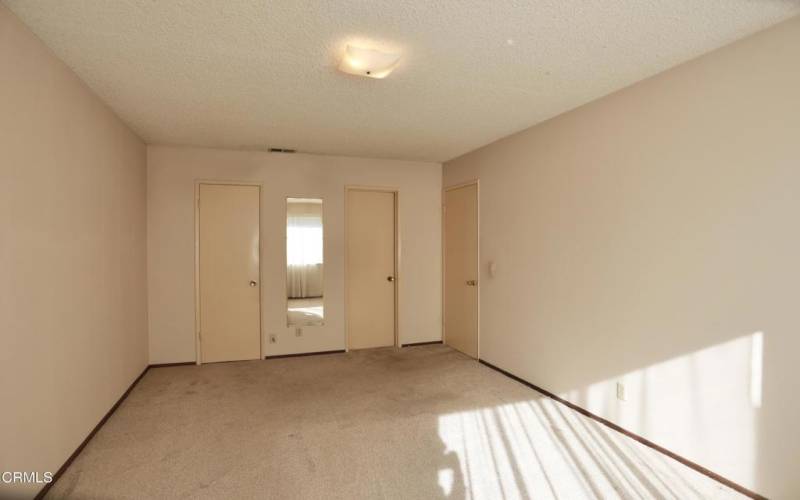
(254, 74)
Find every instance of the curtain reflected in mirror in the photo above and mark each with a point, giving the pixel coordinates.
(304, 262)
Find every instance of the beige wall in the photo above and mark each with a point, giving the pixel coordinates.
(171, 182)
(72, 257)
(652, 236)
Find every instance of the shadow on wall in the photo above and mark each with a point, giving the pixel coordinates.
(521, 445)
(692, 403)
(541, 449)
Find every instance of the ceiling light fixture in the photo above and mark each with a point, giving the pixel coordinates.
(368, 62)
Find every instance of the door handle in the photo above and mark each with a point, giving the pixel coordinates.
(253, 283)
(472, 283)
(390, 278)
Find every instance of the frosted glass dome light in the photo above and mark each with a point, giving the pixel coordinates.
(368, 62)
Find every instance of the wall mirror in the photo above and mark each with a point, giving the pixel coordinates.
(304, 262)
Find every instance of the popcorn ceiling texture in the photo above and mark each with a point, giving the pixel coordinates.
(254, 74)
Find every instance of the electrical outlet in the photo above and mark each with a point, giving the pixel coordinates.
(298, 332)
(273, 339)
(622, 393)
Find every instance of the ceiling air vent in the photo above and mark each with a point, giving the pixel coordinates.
(281, 150)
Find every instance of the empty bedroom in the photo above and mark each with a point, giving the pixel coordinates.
(399, 249)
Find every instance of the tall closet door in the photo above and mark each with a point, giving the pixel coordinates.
(371, 284)
(461, 269)
(230, 303)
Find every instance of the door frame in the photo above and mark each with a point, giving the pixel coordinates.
(397, 258)
(445, 189)
(217, 182)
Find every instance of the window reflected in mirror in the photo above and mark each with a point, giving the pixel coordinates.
(304, 262)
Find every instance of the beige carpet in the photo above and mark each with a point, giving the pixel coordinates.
(424, 422)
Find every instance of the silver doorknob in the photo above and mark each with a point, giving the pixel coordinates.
(390, 278)
(253, 283)
(472, 283)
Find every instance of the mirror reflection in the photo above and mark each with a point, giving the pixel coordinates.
(304, 261)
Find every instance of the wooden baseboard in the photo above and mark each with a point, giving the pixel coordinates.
(167, 365)
(688, 463)
(83, 444)
(300, 354)
(644, 441)
(413, 344)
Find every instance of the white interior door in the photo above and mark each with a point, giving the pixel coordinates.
(371, 284)
(229, 297)
(461, 269)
